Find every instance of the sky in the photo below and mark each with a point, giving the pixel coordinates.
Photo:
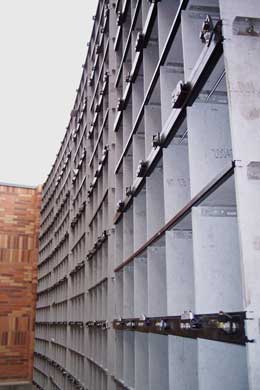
(43, 44)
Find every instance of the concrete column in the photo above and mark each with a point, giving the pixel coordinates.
(241, 22)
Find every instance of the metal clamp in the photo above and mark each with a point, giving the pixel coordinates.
(141, 169)
(139, 45)
(180, 94)
(207, 30)
(120, 206)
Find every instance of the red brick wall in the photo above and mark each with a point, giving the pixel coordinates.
(19, 225)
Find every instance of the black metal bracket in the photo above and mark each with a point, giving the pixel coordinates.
(156, 140)
(120, 105)
(139, 42)
(180, 94)
(141, 168)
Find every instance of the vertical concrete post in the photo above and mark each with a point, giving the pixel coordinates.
(241, 33)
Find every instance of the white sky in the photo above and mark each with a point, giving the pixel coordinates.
(43, 44)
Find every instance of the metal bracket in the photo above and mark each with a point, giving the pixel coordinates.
(129, 191)
(120, 105)
(128, 78)
(141, 169)
(139, 42)
(180, 94)
(120, 206)
(98, 49)
(97, 108)
(207, 29)
(120, 18)
(156, 140)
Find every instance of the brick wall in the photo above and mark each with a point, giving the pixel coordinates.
(19, 224)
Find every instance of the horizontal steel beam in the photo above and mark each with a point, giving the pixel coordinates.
(224, 327)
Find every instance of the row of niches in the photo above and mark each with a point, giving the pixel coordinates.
(79, 114)
(78, 252)
(63, 172)
(77, 339)
(46, 249)
(147, 113)
(59, 312)
(97, 266)
(193, 250)
(77, 285)
(55, 253)
(97, 112)
(79, 150)
(57, 186)
(53, 293)
(49, 373)
(134, 18)
(100, 176)
(77, 308)
(140, 71)
(42, 346)
(78, 174)
(48, 280)
(64, 192)
(61, 270)
(98, 147)
(40, 378)
(44, 268)
(46, 238)
(78, 124)
(176, 273)
(42, 331)
(149, 361)
(99, 18)
(40, 364)
(97, 302)
(97, 377)
(43, 314)
(206, 127)
(45, 282)
(59, 255)
(157, 25)
(58, 354)
(58, 379)
(98, 81)
(78, 193)
(97, 55)
(78, 225)
(77, 365)
(98, 188)
(47, 222)
(187, 166)
(53, 333)
(136, 139)
(42, 300)
(60, 217)
(59, 291)
(79, 200)
(79, 207)
(98, 225)
(97, 346)
(62, 229)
